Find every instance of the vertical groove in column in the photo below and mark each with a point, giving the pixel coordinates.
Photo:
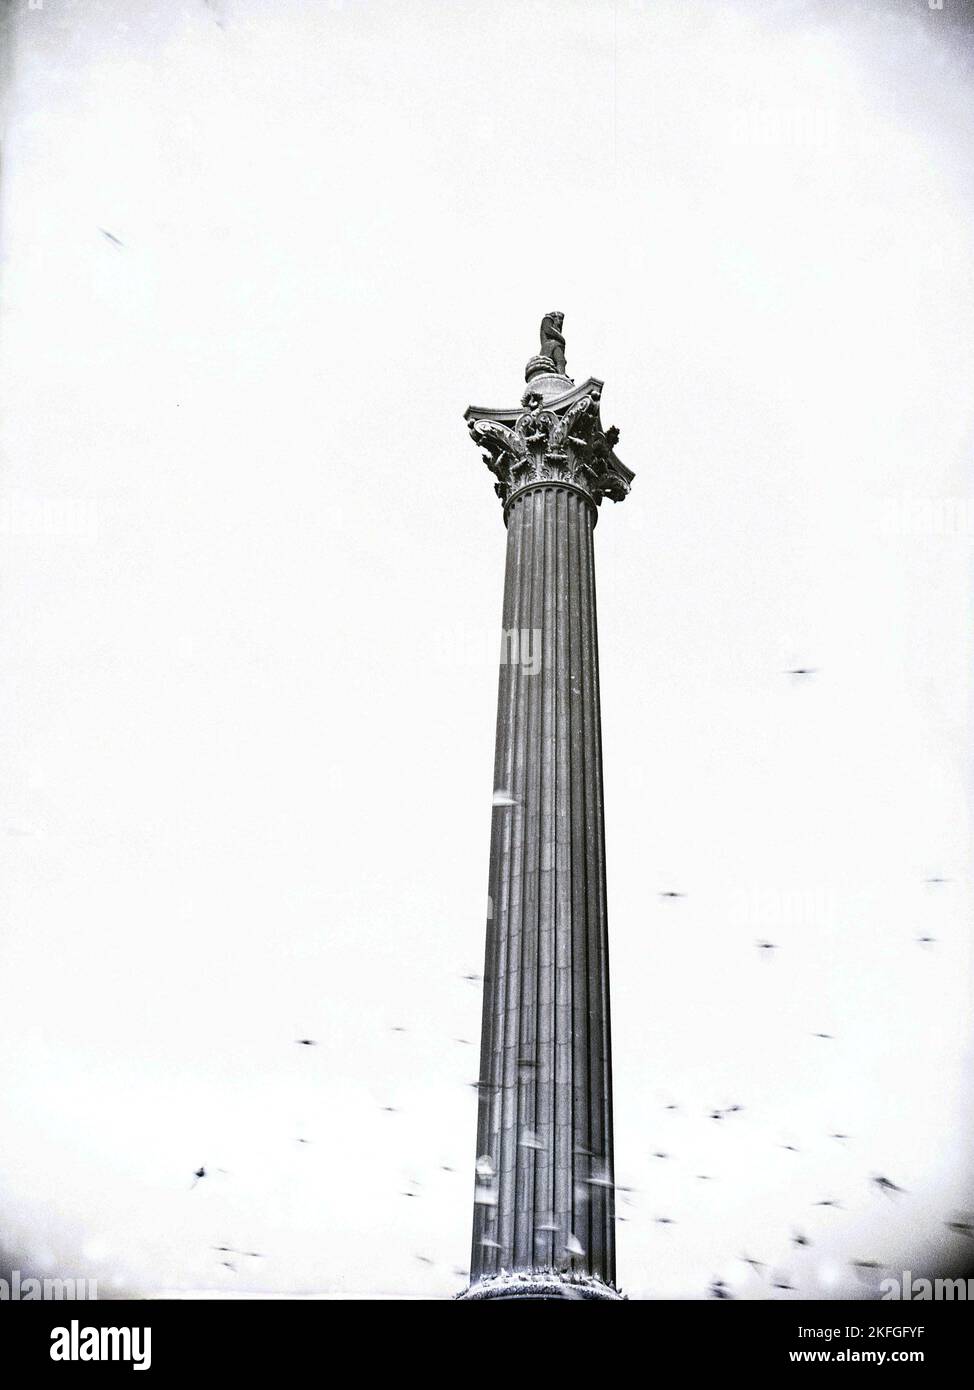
(591, 755)
(509, 1095)
(561, 964)
(498, 884)
(543, 1057)
(602, 999)
(580, 1011)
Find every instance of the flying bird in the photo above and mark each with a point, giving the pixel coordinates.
(886, 1184)
(306, 1042)
(199, 1173)
(110, 236)
(799, 1239)
(756, 1265)
(829, 1202)
(801, 671)
(502, 797)
(670, 893)
(599, 1180)
(766, 945)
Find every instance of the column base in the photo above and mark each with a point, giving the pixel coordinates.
(543, 1284)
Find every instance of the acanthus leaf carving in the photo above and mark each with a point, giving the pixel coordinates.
(550, 442)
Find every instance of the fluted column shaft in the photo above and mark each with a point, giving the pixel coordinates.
(545, 1107)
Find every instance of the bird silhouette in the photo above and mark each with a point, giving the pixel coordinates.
(886, 1185)
(801, 671)
(306, 1042)
(502, 797)
(671, 893)
(766, 945)
(716, 1114)
(829, 1202)
(110, 236)
(197, 1175)
(799, 1239)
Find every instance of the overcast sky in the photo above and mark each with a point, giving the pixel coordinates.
(257, 259)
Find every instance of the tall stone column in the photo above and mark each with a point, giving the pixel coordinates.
(544, 1198)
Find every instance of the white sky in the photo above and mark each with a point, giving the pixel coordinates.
(251, 572)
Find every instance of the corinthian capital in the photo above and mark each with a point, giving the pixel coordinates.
(555, 436)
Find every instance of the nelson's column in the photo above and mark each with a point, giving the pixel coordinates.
(543, 1224)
